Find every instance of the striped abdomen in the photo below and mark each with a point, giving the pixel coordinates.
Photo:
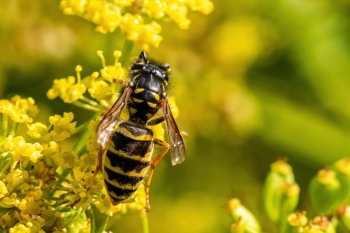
(127, 160)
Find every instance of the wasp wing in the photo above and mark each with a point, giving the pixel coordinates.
(177, 145)
(108, 122)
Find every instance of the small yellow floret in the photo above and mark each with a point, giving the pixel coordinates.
(39, 132)
(19, 109)
(68, 160)
(4, 219)
(106, 16)
(20, 228)
(63, 128)
(19, 147)
(67, 89)
(105, 206)
(73, 7)
(88, 162)
(14, 179)
(3, 190)
(100, 90)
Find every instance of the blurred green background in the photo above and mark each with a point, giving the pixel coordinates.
(253, 80)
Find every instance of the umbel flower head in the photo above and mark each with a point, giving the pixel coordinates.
(136, 19)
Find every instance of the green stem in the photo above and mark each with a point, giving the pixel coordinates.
(103, 226)
(89, 101)
(81, 127)
(86, 106)
(60, 177)
(13, 128)
(126, 52)
(13, 165)
(71, 218)
(80, 144)
(6, 163)
(4, 125)
(90, 214)
(144, 221)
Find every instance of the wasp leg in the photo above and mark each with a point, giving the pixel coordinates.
(152, 166)
(98, 167)
(156, 121)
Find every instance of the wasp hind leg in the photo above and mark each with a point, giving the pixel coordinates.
(152, 166)
(98, 167)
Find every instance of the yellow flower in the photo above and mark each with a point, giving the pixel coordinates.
(19, 109)
(115, 72)
(28, 105)
(4, 219)
(60, 86)
(14, 179)
(137, 31)
(178, 14)
(149, 36)
(73, 7)
(11, 201)
(106, 16)
(20, 228)
(19, 147)
(105, 206)
(63, 128)
(155, 8)
(39, 132)
(68, 160)
(3, 190)
(67, 89)
(100, 90)
(88, 162)
(203, 6)
(52, 150)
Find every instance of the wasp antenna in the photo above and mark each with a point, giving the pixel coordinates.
(143, 57)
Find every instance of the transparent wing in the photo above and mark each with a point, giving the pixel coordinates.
(108, 122)
(177, 145)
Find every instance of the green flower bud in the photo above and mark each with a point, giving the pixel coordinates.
(276, 202)
(289, 199)
(342, 170)
(324, 192)
(243, 217)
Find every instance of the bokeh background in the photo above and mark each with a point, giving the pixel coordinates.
(254, 80)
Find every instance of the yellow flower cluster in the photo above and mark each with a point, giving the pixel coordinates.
(27, 166)
(129, 15)
(19, 109)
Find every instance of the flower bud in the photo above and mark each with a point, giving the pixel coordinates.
(342, 170)
(324, 192)
(277, 202)
(245, 221)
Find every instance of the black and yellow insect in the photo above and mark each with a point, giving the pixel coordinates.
(129, 142)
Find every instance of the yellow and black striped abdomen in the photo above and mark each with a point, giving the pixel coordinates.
(127, 160)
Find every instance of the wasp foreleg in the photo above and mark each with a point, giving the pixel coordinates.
(154, 163)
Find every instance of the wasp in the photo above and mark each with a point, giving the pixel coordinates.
(128, 143)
